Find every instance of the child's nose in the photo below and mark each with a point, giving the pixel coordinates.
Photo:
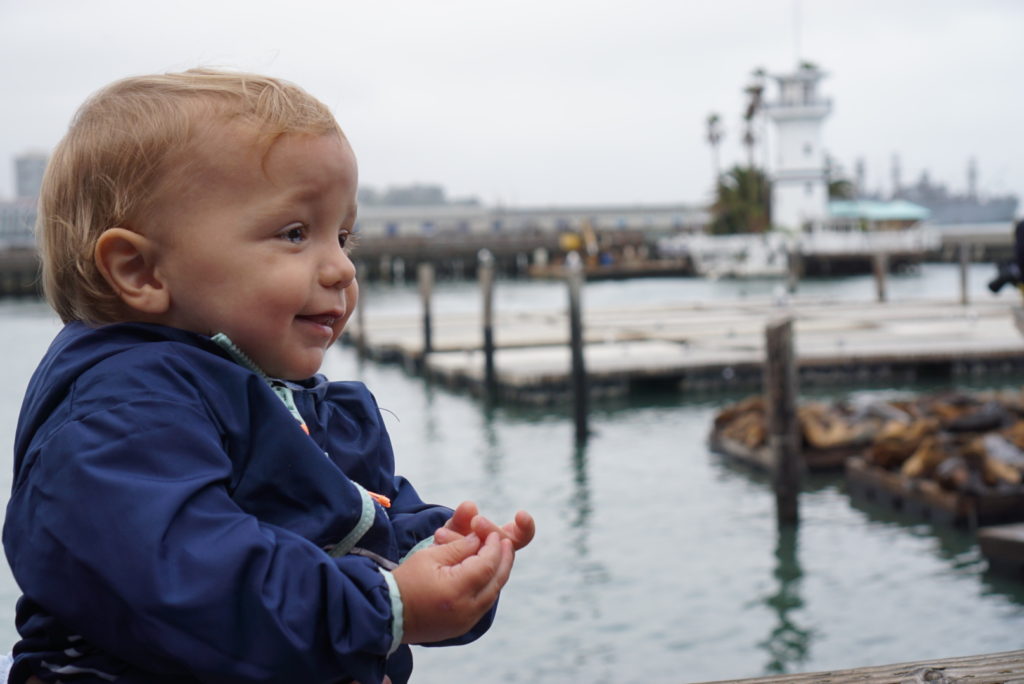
(337, 269)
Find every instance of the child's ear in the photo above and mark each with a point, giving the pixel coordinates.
(127, 261)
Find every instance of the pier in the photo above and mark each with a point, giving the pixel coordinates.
(701, 346)
(19, 273)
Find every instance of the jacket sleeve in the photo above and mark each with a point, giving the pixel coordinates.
(126, 533)
(413, 521)
(355, 419)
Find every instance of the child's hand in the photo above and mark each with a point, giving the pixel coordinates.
(467, 520)
(447, 588)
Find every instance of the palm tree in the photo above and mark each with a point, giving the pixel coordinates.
(715, 135)
(742, 202)
(755, 93)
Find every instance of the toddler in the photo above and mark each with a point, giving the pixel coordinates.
(191, 500)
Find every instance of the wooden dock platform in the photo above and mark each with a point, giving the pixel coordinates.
(1003, 548)
(994, 668)
(717, 345)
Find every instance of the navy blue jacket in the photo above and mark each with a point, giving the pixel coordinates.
(170, 520)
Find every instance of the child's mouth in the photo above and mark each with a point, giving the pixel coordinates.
(326, 321)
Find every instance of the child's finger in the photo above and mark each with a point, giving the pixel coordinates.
(445, 535)
(522, 529)
(504, 557)
(462, 517)
(483, 527)
(455, 552)
(486, 572)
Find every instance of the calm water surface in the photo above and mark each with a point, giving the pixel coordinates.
(654, 560)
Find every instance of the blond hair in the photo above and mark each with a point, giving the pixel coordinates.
(124, 145)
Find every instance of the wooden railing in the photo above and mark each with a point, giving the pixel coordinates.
(994, 668)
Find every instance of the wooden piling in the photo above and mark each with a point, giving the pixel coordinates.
(880, 262)
(793, 267)
(425, 276)
(360, 336)
(574, 277)
(485, 274)
(780, 386)
(965, 261)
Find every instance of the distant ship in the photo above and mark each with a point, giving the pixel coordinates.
(950, 208)
(947, 207)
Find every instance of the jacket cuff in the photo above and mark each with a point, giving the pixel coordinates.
(397, 611)
(429, 541)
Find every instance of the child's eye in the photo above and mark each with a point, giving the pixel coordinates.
(295, 233)
(346, 239)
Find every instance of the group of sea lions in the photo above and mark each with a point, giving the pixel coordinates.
(966, 442)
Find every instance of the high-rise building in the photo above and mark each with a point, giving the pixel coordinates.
(28, 174)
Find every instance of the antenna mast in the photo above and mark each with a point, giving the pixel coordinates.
(796, 29)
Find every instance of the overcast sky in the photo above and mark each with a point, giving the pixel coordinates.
(554, 102)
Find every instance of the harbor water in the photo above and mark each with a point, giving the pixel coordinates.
(655, 560)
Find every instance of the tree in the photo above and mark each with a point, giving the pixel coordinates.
(742, 202)
(840, 189)
(715, 135)
(755, 94)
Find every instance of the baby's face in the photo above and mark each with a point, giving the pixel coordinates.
(256, 249)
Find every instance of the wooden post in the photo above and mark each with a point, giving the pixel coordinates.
(780, 390)
(574, 276)
(965, 262)
(793, 267)
(426, 279)
(485, 274)
(880, 261)
(361, 328)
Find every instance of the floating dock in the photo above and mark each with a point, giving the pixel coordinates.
(710, 345)
(926, 499)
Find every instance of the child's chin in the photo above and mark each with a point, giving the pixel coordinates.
(299, 370)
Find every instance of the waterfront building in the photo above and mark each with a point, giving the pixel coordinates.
(381, 221)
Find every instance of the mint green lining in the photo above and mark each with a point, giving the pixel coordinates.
(240, 357)
(419, 547)
(397, 611)
(366, 517)
(284, 393)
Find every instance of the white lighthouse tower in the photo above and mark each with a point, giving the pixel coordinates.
(799, 179)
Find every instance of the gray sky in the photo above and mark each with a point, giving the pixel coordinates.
(552, 102)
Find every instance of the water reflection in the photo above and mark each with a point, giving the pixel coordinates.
(953, 544)
(492, 450)
(956, 546)
(579, 502)
(431, 420)
(788, 644)
(1003, 583)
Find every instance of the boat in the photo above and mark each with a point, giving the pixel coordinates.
(855, 230)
